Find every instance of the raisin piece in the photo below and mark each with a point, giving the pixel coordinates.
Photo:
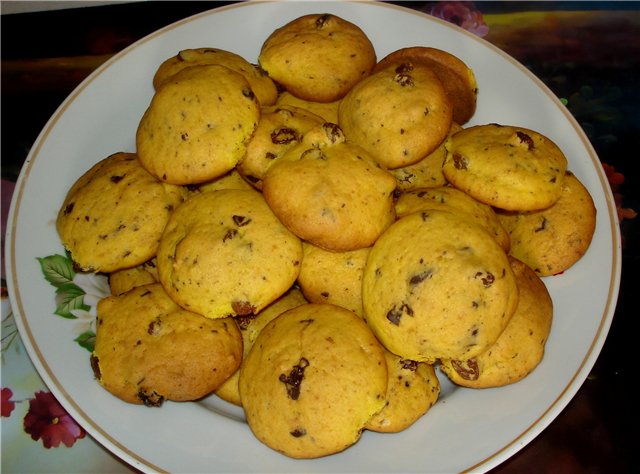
(150, 399)
(467, 369)
(404, 68)
(244, 321)
(294, 379)
(404, 80)
(241, 221)
(298, 432)
(333, 132)
(420, 277)
(524, 138)
(95, 366)
(322, 20)
(407, 364)
(154, 327)
(543, 225)
(242, 308)
(69, 208)
(248, 93)
(284, 136)
(460, 162)
(487, 279)
(231, 233)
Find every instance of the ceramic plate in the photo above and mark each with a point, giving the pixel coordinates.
(466, 429)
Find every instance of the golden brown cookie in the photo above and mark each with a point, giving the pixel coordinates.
(225, 253)
(313, 378)
(508, 167)
(448, 198)
(520, 347)
(123, 280)
(330, 192)
(458, 79)
(114, 214)
(250, 326)
(333, 277)
(412, 390)
(232, 180)
(261, 84)
(399, 114)
(426, 173)
(318, 57)
(148, 349)
(280, 128)
(327, 110)
(435, 285)
(551, 240)
(197, 125)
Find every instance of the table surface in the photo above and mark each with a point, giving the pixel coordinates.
(588, 53)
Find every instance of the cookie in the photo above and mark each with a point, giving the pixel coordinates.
(412, 390)
(448, 198)
(123, 280)
(197, 125)
(250, 326)
(232, 180)
(327, 110)
(552, 240)
(520, 347)
(399, 114)
(458, 79)
(436, 285)
(148, 349)
(114, 214)
(313, 378)
(318, 57)
(426, 173)
(225, 253)
(508, 167)
(280, 128)
(333, 277)
(261, 84)
(330, 192)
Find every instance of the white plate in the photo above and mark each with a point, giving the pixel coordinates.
(466, 429)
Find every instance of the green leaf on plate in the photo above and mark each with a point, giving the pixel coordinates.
(57, 269)
(87, 340)
(69, 296)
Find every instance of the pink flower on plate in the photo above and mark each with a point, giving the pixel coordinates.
(463, 14)
(47, 420)
(7, 404)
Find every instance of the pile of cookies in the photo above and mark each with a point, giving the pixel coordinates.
(311, 238)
